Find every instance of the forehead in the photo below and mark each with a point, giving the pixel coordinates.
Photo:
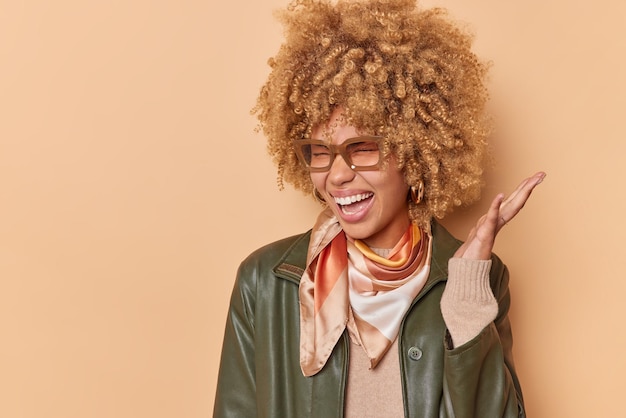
(335, 134)
(336, 129)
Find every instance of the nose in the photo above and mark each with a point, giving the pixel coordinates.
(339, 171)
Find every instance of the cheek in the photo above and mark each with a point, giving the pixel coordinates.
(395, 186)
(318, 180)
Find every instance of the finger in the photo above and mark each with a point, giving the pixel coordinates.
(493, 213)
(525, 187)
(511, 206)
(480, 241)
(491, 222)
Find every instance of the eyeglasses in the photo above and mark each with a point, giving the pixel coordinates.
(361, 153)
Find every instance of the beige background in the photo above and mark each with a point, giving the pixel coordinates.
(132, 184)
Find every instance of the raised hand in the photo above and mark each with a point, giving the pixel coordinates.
(482, 237)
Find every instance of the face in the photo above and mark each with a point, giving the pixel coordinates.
(370, 205)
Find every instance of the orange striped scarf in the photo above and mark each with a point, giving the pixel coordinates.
(347, 285)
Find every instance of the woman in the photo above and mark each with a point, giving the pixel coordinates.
(377, 109)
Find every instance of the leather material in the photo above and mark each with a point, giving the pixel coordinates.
(260, 372)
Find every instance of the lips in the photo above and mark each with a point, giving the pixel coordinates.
(352, 205)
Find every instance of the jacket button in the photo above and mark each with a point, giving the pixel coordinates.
(415, 353)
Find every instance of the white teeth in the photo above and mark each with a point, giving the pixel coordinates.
(348, 200)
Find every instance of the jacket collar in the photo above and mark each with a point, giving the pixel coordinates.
(292, 263)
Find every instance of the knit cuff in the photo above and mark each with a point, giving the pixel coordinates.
(467, 303)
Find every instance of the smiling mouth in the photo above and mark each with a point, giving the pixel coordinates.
(352, 204)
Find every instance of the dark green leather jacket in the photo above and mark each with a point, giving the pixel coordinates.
(260, 371)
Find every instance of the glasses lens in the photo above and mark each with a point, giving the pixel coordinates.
(365, 153)
(316, 155)
(361, 153)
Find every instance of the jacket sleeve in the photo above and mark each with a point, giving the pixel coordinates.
(479, 376)
(236, 386)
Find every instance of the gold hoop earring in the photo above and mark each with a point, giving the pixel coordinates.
(318, 197)
(417, 192)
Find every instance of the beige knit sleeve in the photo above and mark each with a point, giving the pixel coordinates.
(467, 303)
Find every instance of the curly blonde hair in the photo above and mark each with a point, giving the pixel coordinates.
(399, 72)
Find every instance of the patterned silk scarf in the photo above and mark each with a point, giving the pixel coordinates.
(346, 284)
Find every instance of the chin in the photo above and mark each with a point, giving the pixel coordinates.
(359, 233)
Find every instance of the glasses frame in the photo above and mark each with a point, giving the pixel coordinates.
(338, 149)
